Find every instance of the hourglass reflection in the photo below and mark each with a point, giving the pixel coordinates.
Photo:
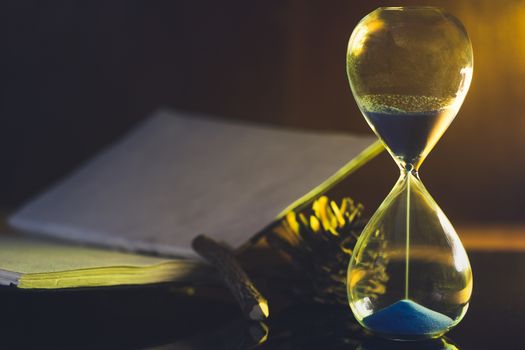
(409, 69)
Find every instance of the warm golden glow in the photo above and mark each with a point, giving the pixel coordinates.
(264, 308)
(466, 79)
(458, 252)
(355, 276)
(360, 36)
(266, 330)
(314, 224)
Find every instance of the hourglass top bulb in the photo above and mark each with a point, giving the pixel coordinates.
(409, 70)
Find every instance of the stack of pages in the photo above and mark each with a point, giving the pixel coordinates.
(44, 264)
(173, 177)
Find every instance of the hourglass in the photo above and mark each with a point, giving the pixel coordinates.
(409, 68)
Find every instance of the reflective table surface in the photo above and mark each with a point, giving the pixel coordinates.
(167, 317)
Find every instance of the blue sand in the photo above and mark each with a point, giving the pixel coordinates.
(406, 133)
(406, 317)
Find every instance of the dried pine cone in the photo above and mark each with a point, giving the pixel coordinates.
(318, 243)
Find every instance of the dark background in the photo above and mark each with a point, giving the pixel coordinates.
(75, 75)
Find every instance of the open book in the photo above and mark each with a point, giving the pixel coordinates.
(177, 175)
(44, 264)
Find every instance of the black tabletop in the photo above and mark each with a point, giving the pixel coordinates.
(168, 317)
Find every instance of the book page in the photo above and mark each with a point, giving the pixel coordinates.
(177, 175)
(35, 256)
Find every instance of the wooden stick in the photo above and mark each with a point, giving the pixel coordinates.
(253, 305)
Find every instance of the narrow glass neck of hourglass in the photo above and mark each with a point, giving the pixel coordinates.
(409, 169)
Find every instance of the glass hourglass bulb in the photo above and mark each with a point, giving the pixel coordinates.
(409, 70)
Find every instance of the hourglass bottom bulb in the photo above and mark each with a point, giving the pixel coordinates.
(407, 318)
(409, 277)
